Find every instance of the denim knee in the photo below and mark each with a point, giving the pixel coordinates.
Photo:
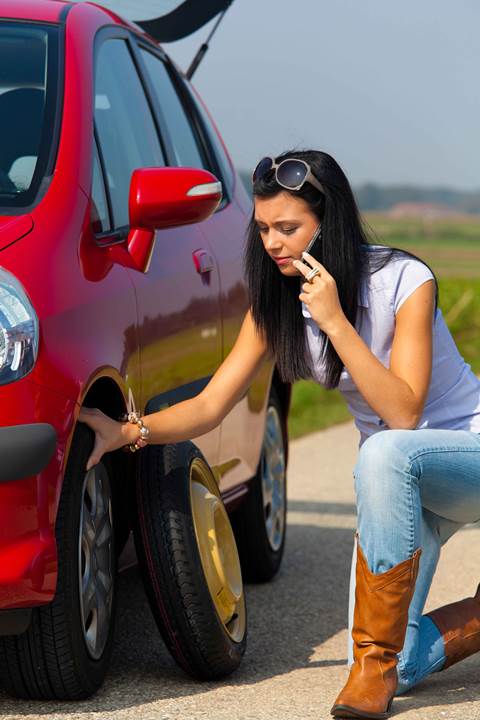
(381, 457)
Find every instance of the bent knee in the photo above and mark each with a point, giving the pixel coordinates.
(382, 454)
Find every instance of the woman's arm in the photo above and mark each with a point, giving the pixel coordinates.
(206, 410)
(396, 394)
(192, 417)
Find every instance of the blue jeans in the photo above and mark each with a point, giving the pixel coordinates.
(414, 488)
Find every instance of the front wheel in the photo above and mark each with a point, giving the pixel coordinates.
(64, 654)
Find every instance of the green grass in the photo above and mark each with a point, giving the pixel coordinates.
(460, 304)
(464, 231)
(314, 408)
(452, 249)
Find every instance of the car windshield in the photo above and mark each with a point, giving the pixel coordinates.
(28, 81)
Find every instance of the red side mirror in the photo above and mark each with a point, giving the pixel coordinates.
(160, 198)
(171, 196)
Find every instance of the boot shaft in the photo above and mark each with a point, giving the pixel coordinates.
(381, 606)
(379, 626)
(459, 623)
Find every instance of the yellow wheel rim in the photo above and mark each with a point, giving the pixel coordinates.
(218, 550)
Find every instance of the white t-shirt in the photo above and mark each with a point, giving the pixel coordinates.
(453, 400)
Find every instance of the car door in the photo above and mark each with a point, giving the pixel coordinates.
(178, 297)
(242, 428)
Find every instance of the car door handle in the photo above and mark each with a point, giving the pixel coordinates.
(203, 261)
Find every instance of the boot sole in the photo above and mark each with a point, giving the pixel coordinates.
(346, 711)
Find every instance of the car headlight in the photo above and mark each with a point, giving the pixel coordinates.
(18, 330)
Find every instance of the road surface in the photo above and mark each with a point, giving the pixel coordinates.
(295, 663)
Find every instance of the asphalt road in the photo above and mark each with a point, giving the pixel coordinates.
(295, 662)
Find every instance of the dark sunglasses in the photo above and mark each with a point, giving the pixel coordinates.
(290, 173)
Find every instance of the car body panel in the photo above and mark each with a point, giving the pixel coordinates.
(14, 228)
(28, 567)
(179, 324)
(157, 337)
(44, 11)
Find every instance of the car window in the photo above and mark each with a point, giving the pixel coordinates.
(99, 213)
(220, 154)
(126, 130)
(28, 86)
(187, 152)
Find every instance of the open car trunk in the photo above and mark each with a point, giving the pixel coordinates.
(187, 17)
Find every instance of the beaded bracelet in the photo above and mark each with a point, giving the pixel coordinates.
(134, 418)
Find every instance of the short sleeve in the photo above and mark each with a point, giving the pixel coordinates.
(412, 273)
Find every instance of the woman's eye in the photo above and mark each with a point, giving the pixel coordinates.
(284, 231)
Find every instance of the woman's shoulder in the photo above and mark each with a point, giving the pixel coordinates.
(396, 275)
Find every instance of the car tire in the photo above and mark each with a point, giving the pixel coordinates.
(259, 523)
(65, 652)
(189, 560)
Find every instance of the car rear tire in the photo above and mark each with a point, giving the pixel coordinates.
(64, 654)
(189, 560)
(260, 523)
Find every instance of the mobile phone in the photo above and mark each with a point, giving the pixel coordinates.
(317, 235)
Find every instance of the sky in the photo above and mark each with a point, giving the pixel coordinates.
(390, 89)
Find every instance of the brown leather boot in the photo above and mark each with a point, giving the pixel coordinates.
(459, 623)
(379, 627)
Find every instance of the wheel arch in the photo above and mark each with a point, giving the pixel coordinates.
(106, 394)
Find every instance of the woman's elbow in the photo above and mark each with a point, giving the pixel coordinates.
(406, 421)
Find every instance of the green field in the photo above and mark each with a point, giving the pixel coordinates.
(452, 249)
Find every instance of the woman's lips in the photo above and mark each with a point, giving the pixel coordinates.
(282, 260)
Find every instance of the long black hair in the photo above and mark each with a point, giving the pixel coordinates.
(273, 297)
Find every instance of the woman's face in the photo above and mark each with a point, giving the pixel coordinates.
(286, 225)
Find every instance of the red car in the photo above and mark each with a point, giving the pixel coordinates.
(122, 224)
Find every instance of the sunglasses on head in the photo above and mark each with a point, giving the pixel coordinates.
(290, 173)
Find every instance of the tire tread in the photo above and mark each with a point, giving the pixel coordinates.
(186, 616)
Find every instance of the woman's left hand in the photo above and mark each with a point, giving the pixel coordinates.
(321, 295)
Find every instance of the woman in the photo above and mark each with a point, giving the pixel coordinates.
(362, 318)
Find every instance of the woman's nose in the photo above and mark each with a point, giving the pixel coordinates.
(273, 240)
